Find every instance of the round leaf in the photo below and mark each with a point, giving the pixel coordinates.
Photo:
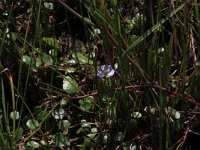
(82, 59)
(46, 59)
(70, 85)
(86, 126)
(177, 115)
(26, 59)
(86, 103)
(63, 124)
(94, 130)
(14, 115)
(60, 140)
(136, 115)
(63, 102)
(33, 144)
(58, 113)
(32, 124)
(49, 5)
(41, 115)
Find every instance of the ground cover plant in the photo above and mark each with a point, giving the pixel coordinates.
(118, 74)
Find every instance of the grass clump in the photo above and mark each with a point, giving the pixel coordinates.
(99, 74)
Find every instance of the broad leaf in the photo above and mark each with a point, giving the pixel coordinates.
(82, 59)
(70, 85)
(32, 124)
(60, 140)
(63, 125)
(33, 144)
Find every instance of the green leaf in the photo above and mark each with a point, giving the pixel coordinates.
(26, 59)
(136, 115)
(14, 115)
(63, 102)
(70, 85)
(32, 124)
(85, 126)
(177, 115)
(13, 36)
(87, 142)
(51, 42)
(105, 138)
(82, 59)
(19, 133)
(58, 113)
(86, 103)
(41, 115)
(63, 125)
(46, 59)
(33, 144)
(43, 142)
(38, 62)
(44, 145)
(70, 70)
(60, 140)
(49, 5)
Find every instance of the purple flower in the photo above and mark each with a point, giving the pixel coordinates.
(105, 71)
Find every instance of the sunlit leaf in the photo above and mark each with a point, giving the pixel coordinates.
(32, 124)
(177, 115)
(70, 85)
(26, 59)
(136, 115)
(43, 142)
(105, 138)
(70, 70)
(14, 115)
(49, 5)
(85, 125)
(94, 130)
(33, 144)
(63, 102)
(58, 113)
(91, 135)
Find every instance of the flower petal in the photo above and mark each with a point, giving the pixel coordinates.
(100, 74)
(103, 67)
(110, 73)
(106, 68)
